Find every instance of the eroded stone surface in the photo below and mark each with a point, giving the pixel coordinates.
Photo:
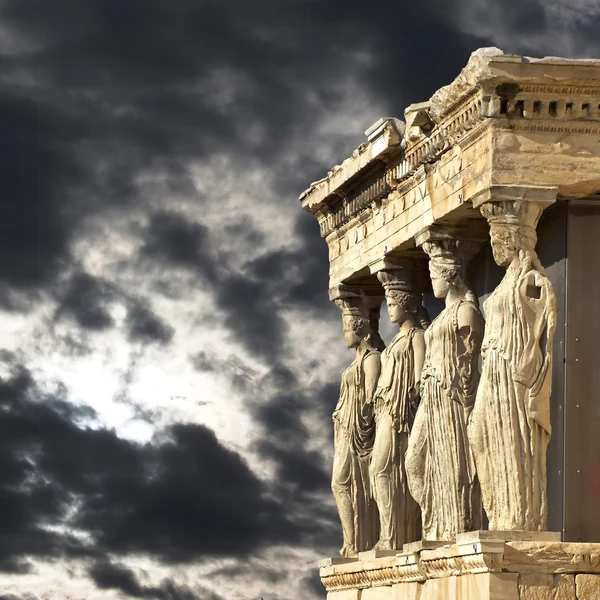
(587, 587)
(344, 595)
(377, 593)
(509, 536)
(407, 591)
(538, 564)
(484, 586)
(564, 587)
(486, 153)
(505, 120)
(552, 557)
(536, 586)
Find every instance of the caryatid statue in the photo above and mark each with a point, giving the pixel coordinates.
(354, 431)
(510, 425)
(396, 402)
(439, 463)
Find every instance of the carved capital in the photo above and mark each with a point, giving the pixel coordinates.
(516, 194)
(474, 232)
(513, 213)
(451, 246)
(404, 274)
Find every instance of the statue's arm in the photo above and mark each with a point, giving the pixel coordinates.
(470, 331)
(372, 366)
(551, 311)
(547, 307)
(419, 356)
(537, 319)
(414, 393)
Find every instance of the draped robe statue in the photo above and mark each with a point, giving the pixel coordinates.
(396, 401)
(510, 425)
(354, 433)
(439, 463)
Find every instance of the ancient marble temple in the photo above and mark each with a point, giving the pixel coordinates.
(467, 458)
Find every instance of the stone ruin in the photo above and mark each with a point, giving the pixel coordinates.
(467, 458)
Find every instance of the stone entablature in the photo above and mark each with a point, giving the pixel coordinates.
(506, 120)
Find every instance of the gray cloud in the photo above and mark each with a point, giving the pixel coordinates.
(117, 576)
(180, 498)
(143, 325)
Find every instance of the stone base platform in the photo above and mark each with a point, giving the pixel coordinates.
(479, 566)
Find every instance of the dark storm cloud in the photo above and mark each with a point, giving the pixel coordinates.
(249, 302)
(280, 405)
(248, 307)
(285, 439)
(38, 171)
(246, 569)
(299, 278)
(172, 238)
(86, 300)
(313, 582)
(289, 415)
(240, 375)
(118, 88)
(143, 325)
(181, 498)
(116, 576)
(89, 102)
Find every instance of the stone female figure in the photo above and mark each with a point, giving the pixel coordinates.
(439, 464)
(396, 402)
(510, 425)
(354, 433)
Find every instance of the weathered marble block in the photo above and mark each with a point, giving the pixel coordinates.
(479, 566)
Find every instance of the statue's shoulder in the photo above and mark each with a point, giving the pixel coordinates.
(466, 314)
(371, 354)
(418, 332)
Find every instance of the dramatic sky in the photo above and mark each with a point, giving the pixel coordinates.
(169, 360)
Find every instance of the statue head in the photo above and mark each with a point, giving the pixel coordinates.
(402, 302)
(448, 259)
(512, 229)
(355, 320)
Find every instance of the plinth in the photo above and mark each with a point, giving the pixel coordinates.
(478, 566)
